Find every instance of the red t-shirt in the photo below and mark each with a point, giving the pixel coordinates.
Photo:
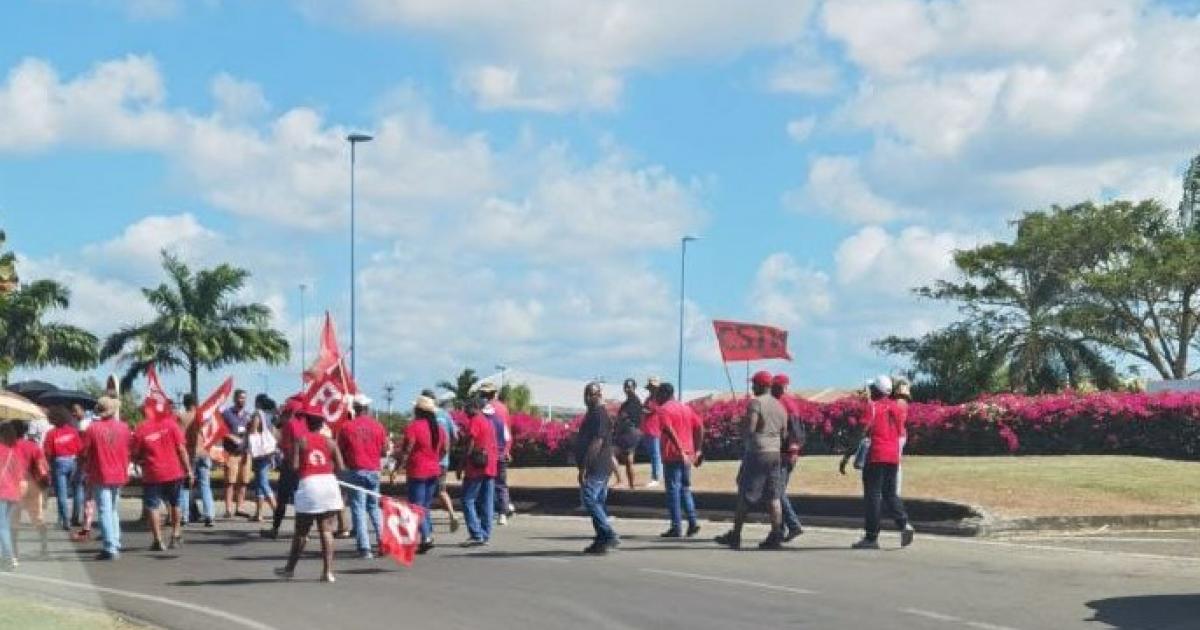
(315, 456)
(424, 460)
(652, 424)
(12, 472)
(294, 428)
(63, 441)
(106, 445)
(157, 445)
(683, 420)
(482, 437)
(885, 425)
(35, 460)
(501, 411)
(363, 441)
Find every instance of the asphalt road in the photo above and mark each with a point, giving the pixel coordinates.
(533, 576)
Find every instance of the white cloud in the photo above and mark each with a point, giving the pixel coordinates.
(805, 71)
(801, 128)
(786, 294)
(836, 187)
(140, 244)
(237, 99)
(881, 262)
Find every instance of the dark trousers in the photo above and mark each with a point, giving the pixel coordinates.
(502, 498)
(879, 489)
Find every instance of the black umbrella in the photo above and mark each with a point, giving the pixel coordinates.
(66, 397)
(31, 389)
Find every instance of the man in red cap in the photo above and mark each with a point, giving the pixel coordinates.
(795, 442)
(764, 431)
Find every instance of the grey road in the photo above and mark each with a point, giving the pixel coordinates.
(532, 576)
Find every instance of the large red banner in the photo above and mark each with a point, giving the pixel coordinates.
(750, 342)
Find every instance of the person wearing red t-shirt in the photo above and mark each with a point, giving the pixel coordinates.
(791, 454)
(652, 432)
(363, 442)
(37, 477)
(12, 488)
(106, 445)
(883, 427)
(683, 433)
(316, 459)
(425, 441)
(161, 449)
(291, 426)
(478, 467)
(62, 446)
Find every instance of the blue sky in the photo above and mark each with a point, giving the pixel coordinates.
(536, 164)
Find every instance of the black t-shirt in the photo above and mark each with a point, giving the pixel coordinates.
(629, 416)
(596, 424)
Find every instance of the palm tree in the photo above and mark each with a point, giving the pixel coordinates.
(198, 325)
(28, 341)
(462, 386)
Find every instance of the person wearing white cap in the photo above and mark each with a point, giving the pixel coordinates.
(363, 442)
(883, 428)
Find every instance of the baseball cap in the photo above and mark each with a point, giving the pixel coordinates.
(761, 377)
(781, 379)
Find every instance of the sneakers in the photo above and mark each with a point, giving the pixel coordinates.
(653, 483)
(425, 547)
(473, 542)
(866, 543)
(328, 578)
(511, 511)
(365, 554)
(773, 541)
(693, 529)
(596, 549)
(671, 533)
(175, 543)
(284, 573)
(906, 536)
(157, 546)
(502, 520)
(729, 539)
(105, 556)
(792, 533)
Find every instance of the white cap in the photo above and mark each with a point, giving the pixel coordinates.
(361, 400)
(883, 383)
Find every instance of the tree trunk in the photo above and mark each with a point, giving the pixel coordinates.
(193, 377)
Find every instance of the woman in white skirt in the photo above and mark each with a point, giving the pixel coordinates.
(316, 459)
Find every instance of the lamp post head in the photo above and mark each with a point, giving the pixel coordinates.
(359, 137)
(689, 239)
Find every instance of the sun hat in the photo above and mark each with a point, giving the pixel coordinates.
(107, 406)
(487, 387)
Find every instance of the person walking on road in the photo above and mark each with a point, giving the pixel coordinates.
(188, 502)
(364, 443)
(446, 422)
(12, 488)
(497, 412)
(884, 427)
(160, 447)
(478, 471)
(796, 435)
(628, 433)
(291, 426)
(424, 444)
(62, 446)
(237, 469)
(652, 431)
(763, 429)
(260, 448)
(37, 477)
(82, 419)
(106, 445)
(202, 461)
(593, 456)
(683, 434)
(316, 460)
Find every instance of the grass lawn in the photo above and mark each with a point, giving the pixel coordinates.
(29, 613)
(1062, 485)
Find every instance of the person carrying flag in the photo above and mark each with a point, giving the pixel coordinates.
(478, 471)
(160, 447)
(316, 460)
(105, 454)
(424, 444)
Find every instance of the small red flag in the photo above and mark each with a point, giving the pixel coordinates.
(401, 529)
(211, 433)
(157, 403)
(750, 342)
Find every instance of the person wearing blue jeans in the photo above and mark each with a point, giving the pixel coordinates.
(8, 557)
(108, 505)
(363, 505)
(594, 457)
(203, 467)
(421, 492)
(63, 473)
(653, 446)
(679, 495)
(479, 504)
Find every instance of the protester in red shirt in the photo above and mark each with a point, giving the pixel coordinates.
(316, 459)
(794, 443)
(652, 431)
(493, 406)
(37, 477)
(62, 445)
(425, 442)
(683, 433)
(12, 488)
(291, 426)
(479, 466)
(363, 442)
(106, 446)
(161, 449)
(883, 427)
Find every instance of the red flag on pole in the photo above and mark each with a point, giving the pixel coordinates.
(327, 355)
(211, 433)
(401, 529)
(157, 402)
(750, 342)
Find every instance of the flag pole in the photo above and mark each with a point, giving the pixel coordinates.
(747, 377)
(732, 391)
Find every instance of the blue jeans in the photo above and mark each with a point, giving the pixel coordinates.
(790, 519)
(421, 492)
(203, 472)
(593, 493)
(479, 502)
(654, 449)
(108, 500)
(6, 543)
(262, 477)
(63, 471)
(679, 491)
(363, 504)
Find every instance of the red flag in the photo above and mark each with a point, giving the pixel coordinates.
(157, 402)
(211, 433)
(327, 355)
(749, 342)
(401, 529)
(331, 390)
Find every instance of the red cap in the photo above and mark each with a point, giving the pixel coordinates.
(761, 378)
(311, 410)
(292, 405)
(781, 379)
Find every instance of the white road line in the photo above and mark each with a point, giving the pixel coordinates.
(1098, 552)
(979, 625)
(204, 610)
(937, 616)
(1069, 538)
(556, 560)
(724, 580)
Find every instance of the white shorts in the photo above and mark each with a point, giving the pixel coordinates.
(318, 494)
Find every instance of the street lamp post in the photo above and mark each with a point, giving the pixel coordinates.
(683, 242)
(353, 139)
(303, 331)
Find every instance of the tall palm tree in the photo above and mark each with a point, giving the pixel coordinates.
(28, 341)
(462, 386)
(198, 325)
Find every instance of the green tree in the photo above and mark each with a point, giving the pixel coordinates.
(518, 397)
(952, 365)
(26, 339)
(199, 325)
(462, 386)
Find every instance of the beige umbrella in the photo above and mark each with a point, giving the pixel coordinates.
(14, 407)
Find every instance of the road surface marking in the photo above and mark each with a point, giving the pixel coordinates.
(1100, 552)
(1069, 538)
(724, 580)
(937, 616)
(204, 610)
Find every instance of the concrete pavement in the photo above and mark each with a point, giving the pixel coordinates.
(533, 576)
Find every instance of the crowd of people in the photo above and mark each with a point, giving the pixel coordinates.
(331, 475)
